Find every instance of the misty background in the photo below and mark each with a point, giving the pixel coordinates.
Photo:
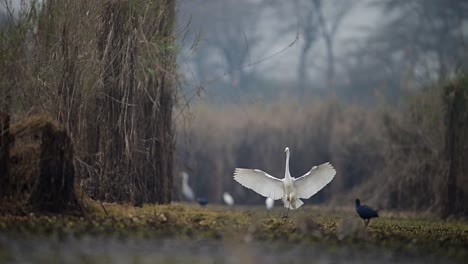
(358, 50)
(358, 83)
(375, 87)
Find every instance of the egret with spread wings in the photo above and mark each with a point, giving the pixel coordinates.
(291, 190)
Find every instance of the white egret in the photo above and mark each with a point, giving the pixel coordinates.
(269, 203)
(289, 189)
(228, 199)
(186, 190)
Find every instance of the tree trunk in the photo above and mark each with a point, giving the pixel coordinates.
(330, 63)
(54, 191)
(38, 171)
(302, 69)
(4, 151)
(456, 151)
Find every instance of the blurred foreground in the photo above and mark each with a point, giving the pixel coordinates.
(181, 233)
(114, 250)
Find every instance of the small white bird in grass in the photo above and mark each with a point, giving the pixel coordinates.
(228, 199)
(289, 189)
(269, 203)
(186, 190)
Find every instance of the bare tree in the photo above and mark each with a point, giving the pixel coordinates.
(428, 36)
(329, 26)
(228, 32)
(413, 44)
(308, 26)
(315, 20)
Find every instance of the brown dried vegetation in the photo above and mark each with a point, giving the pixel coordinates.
(105, 70)
(39, 172)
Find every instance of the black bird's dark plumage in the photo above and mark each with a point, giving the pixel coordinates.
(202, 201)
(365, 212)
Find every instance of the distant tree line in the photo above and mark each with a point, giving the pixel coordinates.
(412, 43)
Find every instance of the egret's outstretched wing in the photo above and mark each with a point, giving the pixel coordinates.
(260, 182)
(314, 180)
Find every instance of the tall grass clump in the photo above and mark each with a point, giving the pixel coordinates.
(413, 151)
(424, 152)
(106, 71)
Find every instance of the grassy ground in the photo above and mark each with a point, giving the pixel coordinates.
(308, 226)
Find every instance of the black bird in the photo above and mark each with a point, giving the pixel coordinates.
(202, 201)
(365, 212)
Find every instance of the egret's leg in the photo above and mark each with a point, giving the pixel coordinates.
(285, 215)
(367, 222)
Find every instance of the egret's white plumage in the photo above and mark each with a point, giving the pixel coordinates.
(186, 190)
(289, 189)
(269, 203)
(228, 199)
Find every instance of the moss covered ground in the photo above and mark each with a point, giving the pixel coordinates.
(401, 233)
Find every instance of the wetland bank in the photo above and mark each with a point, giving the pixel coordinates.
(179, 233)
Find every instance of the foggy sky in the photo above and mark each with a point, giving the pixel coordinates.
(356, 25)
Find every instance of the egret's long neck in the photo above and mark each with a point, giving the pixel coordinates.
(287, 175)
